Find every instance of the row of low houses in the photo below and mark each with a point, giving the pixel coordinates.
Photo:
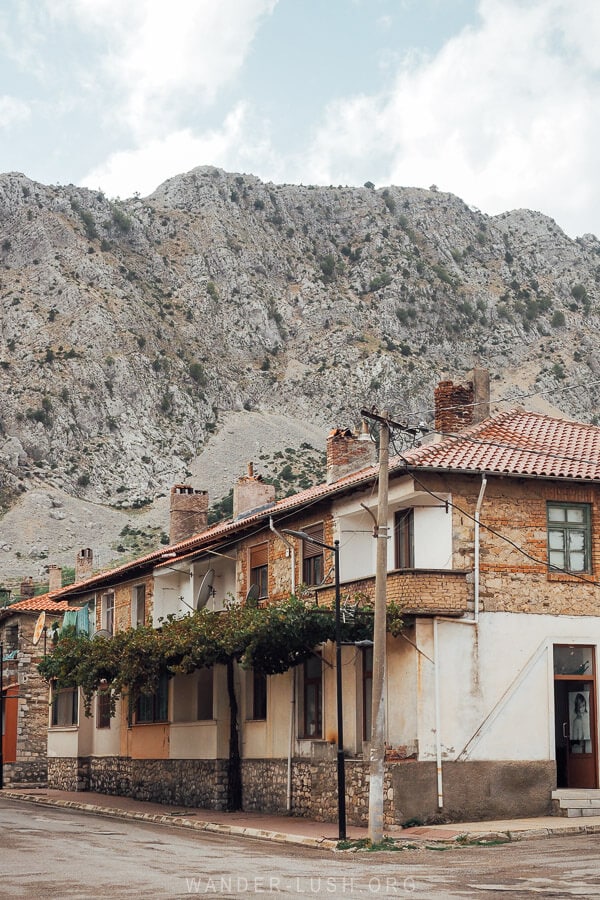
(491, 700)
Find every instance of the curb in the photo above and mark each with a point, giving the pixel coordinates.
(115, 812)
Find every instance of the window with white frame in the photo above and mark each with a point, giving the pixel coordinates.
(107, 612)
(312, 556)
(311, 698)
(256, 695)
(569, 537)
(65, 707)
(404, 538)
(138, 605)
(205, 706)
(259, 569)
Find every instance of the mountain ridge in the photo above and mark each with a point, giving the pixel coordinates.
(134, 332)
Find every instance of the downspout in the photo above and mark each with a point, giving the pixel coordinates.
(436, 694)
(436, 650)
(476, 559)
(290, 546)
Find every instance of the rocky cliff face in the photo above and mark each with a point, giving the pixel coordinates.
(221, 319)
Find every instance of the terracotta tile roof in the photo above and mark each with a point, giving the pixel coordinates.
(43, 603)
(518, 443)
(514, 442)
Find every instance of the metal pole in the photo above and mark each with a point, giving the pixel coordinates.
(1, 715)
(341, 770)
(377, 755)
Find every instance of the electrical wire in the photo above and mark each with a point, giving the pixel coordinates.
(503, 537)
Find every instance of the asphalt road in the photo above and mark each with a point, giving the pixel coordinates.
(47, 852)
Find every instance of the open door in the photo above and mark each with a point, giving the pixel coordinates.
(575, 717)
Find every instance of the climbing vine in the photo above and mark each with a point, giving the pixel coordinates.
(270, 640)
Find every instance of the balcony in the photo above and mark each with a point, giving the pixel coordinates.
(419, 592)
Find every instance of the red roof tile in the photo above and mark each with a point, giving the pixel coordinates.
(514, 442)
(43, 603)
(518, 443)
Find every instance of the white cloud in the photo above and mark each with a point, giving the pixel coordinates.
(162, 56)
(506, 114)
(142, 169)
(12, 111)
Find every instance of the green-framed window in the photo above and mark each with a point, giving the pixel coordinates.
(569, 537)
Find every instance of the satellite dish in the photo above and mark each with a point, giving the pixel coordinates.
(102, 633)
(39, 627)
(252, 596)
(206, 589)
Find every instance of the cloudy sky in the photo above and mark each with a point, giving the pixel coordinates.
(497, 101)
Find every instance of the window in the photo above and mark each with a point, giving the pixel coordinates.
(64, 707)
(205, 695)
(154, 707)
(312, 698)
(367, 691)
(107, 612)
(404, 532)
(257, 695)
(103, 708)
(312, 557)
(138, 606)
(569, 537)
(259, 569)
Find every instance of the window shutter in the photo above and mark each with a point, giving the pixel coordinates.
(259, 555)
(310, 550)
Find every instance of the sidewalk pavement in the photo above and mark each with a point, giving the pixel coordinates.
(305, 832)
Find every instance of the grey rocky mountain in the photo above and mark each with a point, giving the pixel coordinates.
(221, 319)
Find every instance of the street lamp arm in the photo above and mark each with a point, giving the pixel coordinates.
(303, 536)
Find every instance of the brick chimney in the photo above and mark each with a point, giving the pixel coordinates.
(188, 512)
(84, 564)
(459, 405)
(54, 578)
(348, 452)
(250, 492)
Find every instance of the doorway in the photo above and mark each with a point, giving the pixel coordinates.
(575, 717)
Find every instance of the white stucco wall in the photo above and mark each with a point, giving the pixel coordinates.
(499, 676)
(432, 530)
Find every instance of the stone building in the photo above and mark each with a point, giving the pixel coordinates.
(25, 737)
(491, 699)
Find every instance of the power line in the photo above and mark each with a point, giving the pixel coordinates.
(503, 537)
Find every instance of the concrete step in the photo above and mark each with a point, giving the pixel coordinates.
(576, 802)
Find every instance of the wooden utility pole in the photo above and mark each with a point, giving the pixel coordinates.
(377, 756)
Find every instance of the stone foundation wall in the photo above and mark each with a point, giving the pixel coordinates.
(63, 773)
(32, 772)
(472, 790)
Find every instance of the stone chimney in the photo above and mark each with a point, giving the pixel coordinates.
(459, 405)
(188, 513)
(481, 395)
(27, 589)
(84, 564)
(348, 452)
(250, 492)
(54, 578)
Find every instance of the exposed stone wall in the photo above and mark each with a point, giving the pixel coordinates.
(63, 773)
(184, 782)
(34, 771)
(474, 790)
(424, 590)
(123, 600)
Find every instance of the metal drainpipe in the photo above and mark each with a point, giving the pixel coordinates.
(436, 655)
(436, 694)
(476, 560)
(293, 697)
